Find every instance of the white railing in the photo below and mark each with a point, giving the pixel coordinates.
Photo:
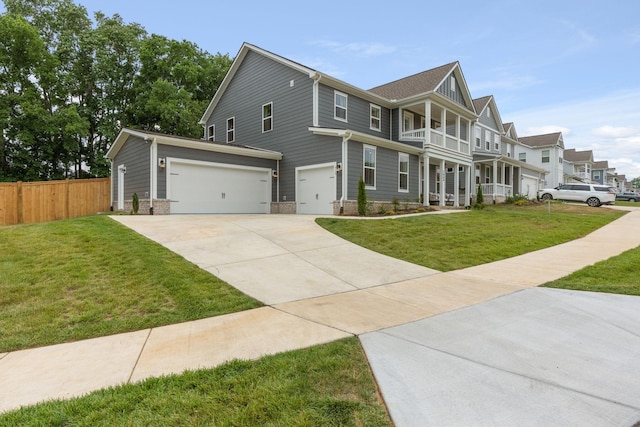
(464, 147)
(414, 135)
(436, 138)
(501, 189)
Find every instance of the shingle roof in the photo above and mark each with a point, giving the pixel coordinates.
(602, 164)
(480, 103)
(546, 140)
(426, 81)
(578, 156)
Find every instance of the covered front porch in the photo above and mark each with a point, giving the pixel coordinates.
(446, 181)
(501, 177)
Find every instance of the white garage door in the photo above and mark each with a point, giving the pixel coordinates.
(529, 186)
(202, 187)
(316, 189)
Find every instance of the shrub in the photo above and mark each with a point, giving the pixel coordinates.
(479, 199)
(362, 198)
(135, 204)
(396, 204)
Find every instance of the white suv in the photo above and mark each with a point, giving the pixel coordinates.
(592, 195)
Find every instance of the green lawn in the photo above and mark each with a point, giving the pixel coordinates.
(464, 239)
(92, 276)
(327, 385)
(87, 277)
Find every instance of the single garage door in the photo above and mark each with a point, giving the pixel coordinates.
(203, 187)
(529, 186)
(316, 189)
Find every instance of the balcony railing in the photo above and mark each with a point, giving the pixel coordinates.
(437, 138)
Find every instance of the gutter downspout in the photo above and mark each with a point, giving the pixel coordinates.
(153, 172)
(345, 169)
(316, 96)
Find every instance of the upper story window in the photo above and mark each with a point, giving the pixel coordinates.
(211, 133)
(488, 112)
(369, 167)
(508, 150)
(478, 138)
(496, 142)
(403, 172)
(340, 110)
(522, 157)
(487, 140)
(231, 129)
(453, 84)
(376, 116)
(545, 156)
(267, 117)
(407, 121)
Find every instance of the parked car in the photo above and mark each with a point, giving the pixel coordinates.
(628, 196)
(592, 195)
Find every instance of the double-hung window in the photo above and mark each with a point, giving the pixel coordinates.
(403, 172)
(231, 129)
(376, 115)
(487, 140)
(340, 110)
(522, 157)
(545, 156)
(267, 117)
(369, 167)
(478, 137)
(496, 142)
(211, 133)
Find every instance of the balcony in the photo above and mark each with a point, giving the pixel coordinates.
(436, 138)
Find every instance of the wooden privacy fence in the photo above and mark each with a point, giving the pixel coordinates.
(29, 202)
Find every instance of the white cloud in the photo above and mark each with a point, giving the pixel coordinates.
(615, 132)
(360, 49)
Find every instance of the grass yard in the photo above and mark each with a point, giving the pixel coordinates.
(88, 277)
(327, 385)
(465, 239)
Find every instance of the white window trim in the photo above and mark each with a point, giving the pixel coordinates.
(487, 174)
(232, 130)
(408, 115)
(487, 140)
(211, 133)
(548, 156)
(372, 118)
(453, 83)
(265, 118)
(478, 137)
(522, 157)
(496, 142)
(336, 106)
(403, 157)
(375, 162)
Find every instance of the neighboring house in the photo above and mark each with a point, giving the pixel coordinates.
(546, 152)
(495, 168)
(601, 173)
(577, 165)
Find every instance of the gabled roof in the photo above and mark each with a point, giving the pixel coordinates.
(602, 164)
(196, 144)
(481, 104)
(312, 73)
(510, 127)
(578, 156)
(424, 83)
(546, 140)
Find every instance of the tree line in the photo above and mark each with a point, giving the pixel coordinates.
(69, 83)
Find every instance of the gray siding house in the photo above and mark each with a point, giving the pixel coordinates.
(280, 137)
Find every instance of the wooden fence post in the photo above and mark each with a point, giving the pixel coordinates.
(19, 213)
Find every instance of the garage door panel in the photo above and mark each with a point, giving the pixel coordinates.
(210, 188)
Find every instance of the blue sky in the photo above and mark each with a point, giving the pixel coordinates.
(563, 65)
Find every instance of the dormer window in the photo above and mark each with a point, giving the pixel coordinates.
(453, 84)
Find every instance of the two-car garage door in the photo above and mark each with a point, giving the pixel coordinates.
(203, 187)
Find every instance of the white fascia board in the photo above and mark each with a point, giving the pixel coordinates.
(368, 139)
(219, 148)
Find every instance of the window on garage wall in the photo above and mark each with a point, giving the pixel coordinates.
(403, 172)
(211, 133)
(369, 167)
(267, 117)
(231, 129)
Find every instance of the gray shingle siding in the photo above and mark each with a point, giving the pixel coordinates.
(135, 155)
(386, 174)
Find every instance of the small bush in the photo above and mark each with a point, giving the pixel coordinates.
(135, 204)
(396, 204)
(362, 198)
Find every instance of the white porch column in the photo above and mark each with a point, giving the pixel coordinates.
(443, 183)
(427, 120)
(458, 131)
(425, 179)
(469, 188)
(511, 180)
(495, 179)
(456, 185)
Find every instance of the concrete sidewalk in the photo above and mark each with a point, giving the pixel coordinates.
(317, 291)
